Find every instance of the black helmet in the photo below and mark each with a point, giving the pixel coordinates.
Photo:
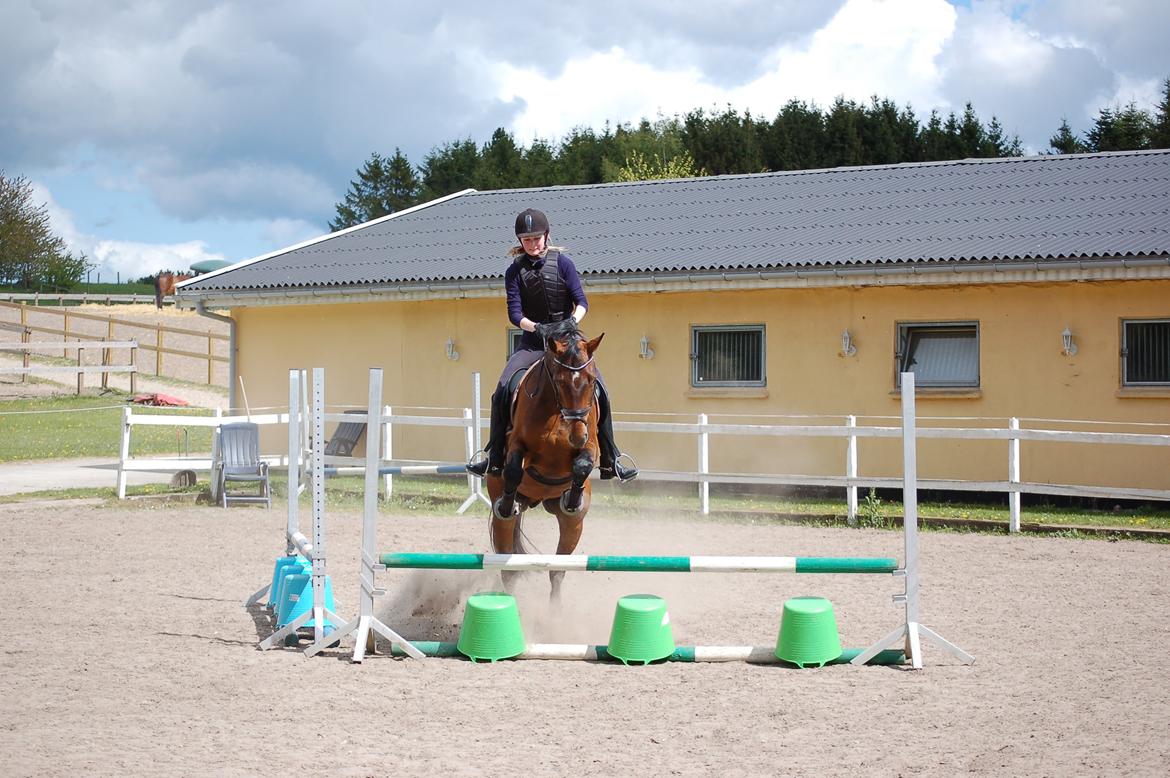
(531, 222)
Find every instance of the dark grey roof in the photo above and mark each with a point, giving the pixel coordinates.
(1025, 208)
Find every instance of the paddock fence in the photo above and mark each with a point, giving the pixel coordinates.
(701, 431)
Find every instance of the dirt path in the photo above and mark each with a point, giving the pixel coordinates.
(130, 654)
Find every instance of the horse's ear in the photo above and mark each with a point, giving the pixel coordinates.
(558, 348)
(592, 345)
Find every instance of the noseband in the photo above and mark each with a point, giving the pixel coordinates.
(568, 414)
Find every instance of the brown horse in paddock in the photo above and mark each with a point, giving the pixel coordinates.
(552, 446)
(164, 286)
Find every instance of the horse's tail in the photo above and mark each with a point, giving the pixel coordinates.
(518, 545)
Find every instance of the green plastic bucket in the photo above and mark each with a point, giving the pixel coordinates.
(641, 630)
(808, 632)
(491, 628)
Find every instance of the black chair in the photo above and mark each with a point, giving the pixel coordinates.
(345, 437)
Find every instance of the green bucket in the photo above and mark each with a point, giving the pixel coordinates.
(808, 632)
(491, 628)
(641, 630)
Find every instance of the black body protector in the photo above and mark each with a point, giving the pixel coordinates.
(543, 294)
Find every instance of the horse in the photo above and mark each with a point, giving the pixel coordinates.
(164, 286)
(551, 448)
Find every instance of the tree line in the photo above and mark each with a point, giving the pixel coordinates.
(800, 137)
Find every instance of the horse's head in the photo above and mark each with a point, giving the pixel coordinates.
(569, 362)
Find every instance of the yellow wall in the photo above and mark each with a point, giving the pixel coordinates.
(1023, 373)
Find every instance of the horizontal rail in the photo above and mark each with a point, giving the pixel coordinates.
(67, 346)
(402, 470)
(765, 655)
(71, 369)
(120, 322)
(640, 564)
(173, 420)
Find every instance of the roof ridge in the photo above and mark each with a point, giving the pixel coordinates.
(844, 169)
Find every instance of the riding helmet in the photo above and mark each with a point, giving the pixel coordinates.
(531, 222)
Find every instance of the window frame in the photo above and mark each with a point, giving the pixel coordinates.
(1123, 354)
(698, 329)
(902, 332)
(513, 342)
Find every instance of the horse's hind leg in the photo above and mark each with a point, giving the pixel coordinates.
(570, 527)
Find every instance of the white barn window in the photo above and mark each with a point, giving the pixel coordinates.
(728, 355)
(939, 354)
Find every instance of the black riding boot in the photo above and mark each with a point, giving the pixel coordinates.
(610, 455)
(493, 463)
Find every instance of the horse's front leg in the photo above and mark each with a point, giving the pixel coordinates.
(572, 501)
(504, 509)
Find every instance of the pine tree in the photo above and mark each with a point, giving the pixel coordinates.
(1065, 142)
(1160, 125)
(500, 162)
(449, 169)
(383, 186)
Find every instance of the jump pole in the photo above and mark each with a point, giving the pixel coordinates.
(318, 613)
(366, 622)
(759, 655)
(295, 541)
(911, 631)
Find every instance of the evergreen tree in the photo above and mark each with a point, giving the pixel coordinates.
(581, 157)
(933, 140)
(539, 166)
(449, 169)
(383, 186)
(843, 127)
(1065, 142)
(795, 139)
(971, 138)
(31, 256)
(1120, 129)
(996, 144)
(500, 163)
(722, 143)
(1160, 126)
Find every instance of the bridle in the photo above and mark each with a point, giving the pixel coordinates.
(568, 414)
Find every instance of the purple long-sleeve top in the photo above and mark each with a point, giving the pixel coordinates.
(568, 273)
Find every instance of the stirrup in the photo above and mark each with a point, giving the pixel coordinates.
(625, 474)
(478, 464)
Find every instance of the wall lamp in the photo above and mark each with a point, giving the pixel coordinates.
(644, 350)
(1070, 347)
(452, 354)
(847, 347)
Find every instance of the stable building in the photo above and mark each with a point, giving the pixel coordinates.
(1035, 288)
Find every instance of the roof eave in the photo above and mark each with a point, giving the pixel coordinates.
(900, 274)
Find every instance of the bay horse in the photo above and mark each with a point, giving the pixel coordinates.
(551, 447)
(164, 285)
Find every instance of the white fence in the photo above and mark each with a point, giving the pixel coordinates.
(79, 298)
(702, 430)
(79, 369)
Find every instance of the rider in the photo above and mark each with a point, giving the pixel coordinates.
(543, 288)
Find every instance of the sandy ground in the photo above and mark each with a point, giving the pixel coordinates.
(129, 653)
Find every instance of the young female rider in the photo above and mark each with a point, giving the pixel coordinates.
(543, 288)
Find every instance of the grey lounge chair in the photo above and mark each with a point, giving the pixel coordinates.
(239, 461)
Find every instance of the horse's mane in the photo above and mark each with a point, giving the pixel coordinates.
(565, 330)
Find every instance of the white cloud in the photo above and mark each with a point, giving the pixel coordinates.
(119, 258)
(134, 260)
(279, 233)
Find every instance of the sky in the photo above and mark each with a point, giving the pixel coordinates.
(158, 134)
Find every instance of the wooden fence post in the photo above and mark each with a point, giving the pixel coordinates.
(80, 369)
(210, 354)
(158, 347)
(25, 334)
(134, 372)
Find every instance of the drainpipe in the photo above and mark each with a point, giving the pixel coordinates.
(202, 311)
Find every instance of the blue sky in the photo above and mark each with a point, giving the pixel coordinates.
(159, 134)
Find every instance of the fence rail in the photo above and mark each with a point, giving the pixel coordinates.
(81, 298)
(158, 346)
(850, 432)
(105, 368)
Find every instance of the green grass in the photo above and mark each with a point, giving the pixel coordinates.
(88, 426)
